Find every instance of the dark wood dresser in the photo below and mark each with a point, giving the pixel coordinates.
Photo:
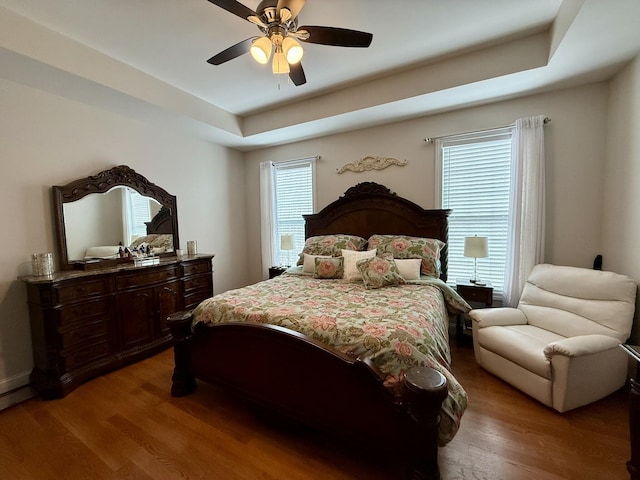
(84, 323)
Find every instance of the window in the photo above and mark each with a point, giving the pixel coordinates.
(292, 198)
(475, 174)
(137, 211)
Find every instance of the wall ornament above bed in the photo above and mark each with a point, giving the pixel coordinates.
(371, 163)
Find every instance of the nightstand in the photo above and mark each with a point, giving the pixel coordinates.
(477, 296)
(275, 271)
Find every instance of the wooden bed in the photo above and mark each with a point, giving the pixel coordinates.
(300, 378)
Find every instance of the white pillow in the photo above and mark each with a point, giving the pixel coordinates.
(409, 268)
(309, 265)
(351, 257)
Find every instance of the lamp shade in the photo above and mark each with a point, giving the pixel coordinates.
(280, 64)
(476, 247)
(292, 50)
(286, 242)
(261, 50)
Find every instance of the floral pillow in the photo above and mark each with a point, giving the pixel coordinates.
(154, 240)
(329, 267)
(378, 272)
(331, 245)
(401, 246)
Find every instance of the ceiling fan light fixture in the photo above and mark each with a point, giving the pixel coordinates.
(285, 15)
(292, 50)
(280, 64)
(261, 50)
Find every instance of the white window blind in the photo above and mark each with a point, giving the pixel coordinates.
(293, 197)
(137, 211)
(475, 173)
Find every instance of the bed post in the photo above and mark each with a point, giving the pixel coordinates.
(183, 383)
(425, 390)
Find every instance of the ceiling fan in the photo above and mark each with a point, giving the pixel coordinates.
(278, 22)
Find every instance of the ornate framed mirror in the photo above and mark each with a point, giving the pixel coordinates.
(97, 214)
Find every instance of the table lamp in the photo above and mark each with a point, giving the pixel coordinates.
(287, 244)
(476, 247)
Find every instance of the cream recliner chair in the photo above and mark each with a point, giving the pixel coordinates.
(561, 344)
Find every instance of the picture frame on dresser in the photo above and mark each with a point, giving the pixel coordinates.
(87, 321)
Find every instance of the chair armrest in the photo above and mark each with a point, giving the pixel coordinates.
(502, 316)
(581, 345)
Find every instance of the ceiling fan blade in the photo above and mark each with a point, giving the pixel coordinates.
(232, 52)
(294, 6)
(339, 37)
(296, 74)
(234, 7)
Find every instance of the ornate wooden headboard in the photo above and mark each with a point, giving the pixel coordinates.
(369, 208)
(161, 222)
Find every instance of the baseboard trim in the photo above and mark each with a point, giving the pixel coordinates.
(13, 397)
(15, 389)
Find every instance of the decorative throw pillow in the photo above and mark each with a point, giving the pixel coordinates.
(351, 273)
(409, 268)
(329, 267)
(378, 272)
(309, 264)
(403, 247)
(331, 245)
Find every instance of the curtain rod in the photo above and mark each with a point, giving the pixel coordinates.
(431, 139)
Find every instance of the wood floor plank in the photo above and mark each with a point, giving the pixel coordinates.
(125, 425)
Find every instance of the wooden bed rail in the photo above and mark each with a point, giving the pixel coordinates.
(279, 374)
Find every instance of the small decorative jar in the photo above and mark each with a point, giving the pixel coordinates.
(42, 264)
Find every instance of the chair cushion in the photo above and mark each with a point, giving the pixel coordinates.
(574, 301)
(521, 344)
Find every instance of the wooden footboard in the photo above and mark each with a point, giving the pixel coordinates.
(301, 379)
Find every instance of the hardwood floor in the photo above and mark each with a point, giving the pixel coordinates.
(125, 425)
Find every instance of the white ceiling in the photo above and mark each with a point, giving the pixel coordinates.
(147, 58)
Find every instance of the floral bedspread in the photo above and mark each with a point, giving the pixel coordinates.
(397, 327)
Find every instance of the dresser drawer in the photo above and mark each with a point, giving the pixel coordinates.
(141, 279)
(194, 268)
(192, 300)
(197, 282)
(80, 357)
(476, 294)
(74, 313)
(88, 333)
(83, 289)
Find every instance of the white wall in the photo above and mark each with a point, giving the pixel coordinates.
(575, 149)
(621, 219)
(48, 140)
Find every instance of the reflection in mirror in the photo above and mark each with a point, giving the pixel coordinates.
(95, 214)
(106, 220)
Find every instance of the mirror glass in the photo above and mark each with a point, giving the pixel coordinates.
(106, 220)
(96, 214)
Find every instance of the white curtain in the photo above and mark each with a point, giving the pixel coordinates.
(527, 210)
(267, 241)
